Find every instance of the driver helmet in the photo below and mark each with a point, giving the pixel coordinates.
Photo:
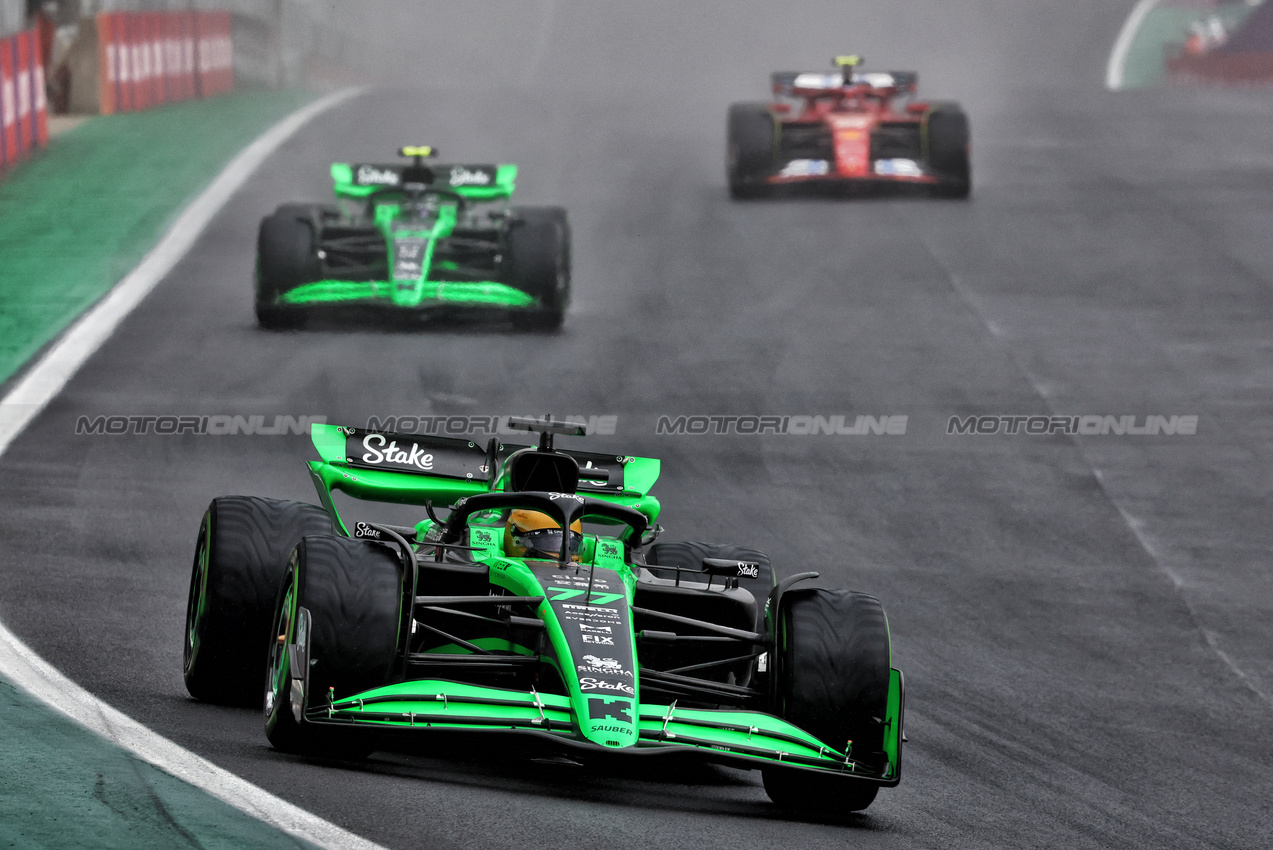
(534, 534)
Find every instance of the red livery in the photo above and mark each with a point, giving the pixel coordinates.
(847, 126)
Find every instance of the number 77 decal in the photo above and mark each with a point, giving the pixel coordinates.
(571, 593)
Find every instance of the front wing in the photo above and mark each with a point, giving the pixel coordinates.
(408, 295)
(747, 739)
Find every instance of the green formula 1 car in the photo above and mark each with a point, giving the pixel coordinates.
(415, 237)
(538, 606)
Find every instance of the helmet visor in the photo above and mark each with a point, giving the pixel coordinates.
(547, 541)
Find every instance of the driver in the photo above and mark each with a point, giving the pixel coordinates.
(534, 534)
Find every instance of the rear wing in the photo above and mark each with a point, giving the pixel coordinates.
(800, 83)
(415, 469)
(477, 182)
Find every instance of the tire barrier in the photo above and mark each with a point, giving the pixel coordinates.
(24, 121)
(150, 58)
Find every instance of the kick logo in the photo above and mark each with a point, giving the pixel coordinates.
(604, 708)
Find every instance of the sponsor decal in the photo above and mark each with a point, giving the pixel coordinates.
(482, 538)
(805, 168)
(601, 708)
(600, 640)
(815, 80)
(603, 663)
(591, 609)
(746, 570)
(599, 666)
(609, 550)
(596, 630)
(408, 258)
(362, 529)
(588, 683)
(898, 168)
(606, 727)
(370, 175)
(463, 176)
(558, 497)
(377, 452)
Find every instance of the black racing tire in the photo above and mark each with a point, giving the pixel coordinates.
(751, 142)
(831, 678)
(240, 554)
(689, 556)
(352, 590)
(286, 257)
(949, 146)
(539, 264)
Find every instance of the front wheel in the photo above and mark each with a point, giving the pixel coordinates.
(949, 142)
(240, 554)
(540, 264)
(286, 257)
(750, 144)
(831, 678)
(337, 614)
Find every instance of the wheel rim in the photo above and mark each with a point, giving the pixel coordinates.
(196, 605)
(276, 685)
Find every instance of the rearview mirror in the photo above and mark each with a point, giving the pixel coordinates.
(730, 568)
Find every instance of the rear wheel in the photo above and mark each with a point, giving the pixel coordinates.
(351, 594)
(948, 150)
(750, 143)
(539, 261)
(689, 556)
(240, 555)
(286, 257)
(831, 679)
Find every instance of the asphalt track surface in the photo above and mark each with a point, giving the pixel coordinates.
(1083, 622)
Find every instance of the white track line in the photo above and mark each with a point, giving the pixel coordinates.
(36, 388)
(1123, 44)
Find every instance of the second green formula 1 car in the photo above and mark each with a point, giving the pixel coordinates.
(538, 608)
(415, 237)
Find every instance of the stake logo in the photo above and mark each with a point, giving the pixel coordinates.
(370, 175)
(461, 176)
(588, 683)
(378, 453)
(362, 529)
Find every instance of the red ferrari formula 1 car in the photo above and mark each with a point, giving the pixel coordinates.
(848, 127)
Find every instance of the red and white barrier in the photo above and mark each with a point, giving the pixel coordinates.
(23, 108)
(149, 58)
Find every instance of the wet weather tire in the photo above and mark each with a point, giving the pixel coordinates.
(240, 554)
(352, 591)
(948, 151)
(539, 263)
(751, 138)
(831, 678)
(286, 257)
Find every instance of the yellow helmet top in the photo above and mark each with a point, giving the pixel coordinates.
(534, 533)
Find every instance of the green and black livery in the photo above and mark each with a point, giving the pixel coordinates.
(415, 237)
(365, 633)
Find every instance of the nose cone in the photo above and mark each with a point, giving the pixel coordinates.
(611, 719)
